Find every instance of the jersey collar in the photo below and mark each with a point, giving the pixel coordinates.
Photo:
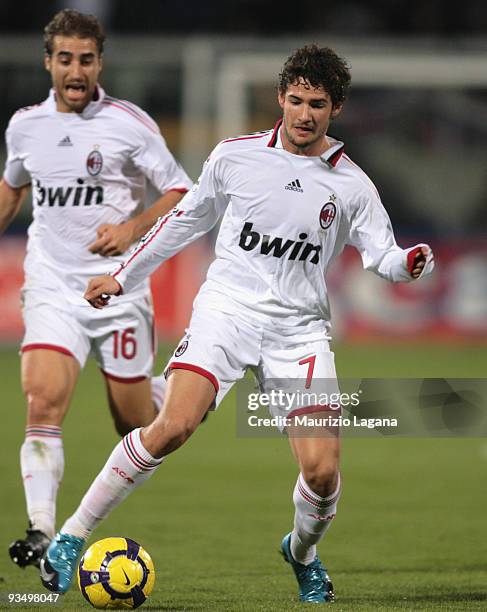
(89, 111)
(330, 156)
(275, 136)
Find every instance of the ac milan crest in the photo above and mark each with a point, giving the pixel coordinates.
(327, 214)
(94, 163)
(181, 348)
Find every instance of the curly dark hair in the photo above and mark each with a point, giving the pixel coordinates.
(69, 22)
(320, 67)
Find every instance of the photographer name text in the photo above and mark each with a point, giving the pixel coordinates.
(305, 420)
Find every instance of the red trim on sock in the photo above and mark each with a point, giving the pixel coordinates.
(42, 435)
(43, 431)
(322, 503)
(319, 504)
(139, 457)
(129, 456)
(128, 452)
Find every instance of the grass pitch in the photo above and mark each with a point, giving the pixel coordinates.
(410, 532)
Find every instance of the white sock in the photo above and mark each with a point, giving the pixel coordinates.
(42, 467)
(158, 387)
(312, 518)
(127, 468)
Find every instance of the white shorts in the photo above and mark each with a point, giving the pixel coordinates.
(222, 346)
(121, 336)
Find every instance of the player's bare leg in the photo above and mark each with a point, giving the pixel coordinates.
(48, 381)
(188, 398)
(315, 500)
(318, 457)
(134, 459)
(130, 403)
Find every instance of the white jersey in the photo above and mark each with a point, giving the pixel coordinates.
(86, 169)
(285, 217)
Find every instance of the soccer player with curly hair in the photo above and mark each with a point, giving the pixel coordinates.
(289, 199)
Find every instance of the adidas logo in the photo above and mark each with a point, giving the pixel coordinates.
(294, 186)
(65, 142)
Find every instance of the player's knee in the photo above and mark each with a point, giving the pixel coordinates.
(321, 478)
(167, 435)
(43, 406)
(179, 430)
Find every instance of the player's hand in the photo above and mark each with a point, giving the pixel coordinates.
(113, 239)
(419, 261)
(100, 289)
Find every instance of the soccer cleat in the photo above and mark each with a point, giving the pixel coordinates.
(60, 562)
(314, 583)
(30, 550)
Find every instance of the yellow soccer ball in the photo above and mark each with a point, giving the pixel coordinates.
(116, 573)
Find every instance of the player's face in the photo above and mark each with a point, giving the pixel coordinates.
(307, 112)
(75, 65)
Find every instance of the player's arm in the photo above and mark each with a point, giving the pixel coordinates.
(11, 199)
(168, 236)
(197, 214)
(152, 157)
(16, 180)
(371, 233)
(116, 239)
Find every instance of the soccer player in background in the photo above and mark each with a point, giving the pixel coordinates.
(289, 199)
(88, 157)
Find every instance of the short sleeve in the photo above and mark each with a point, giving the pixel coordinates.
(15, 174)
(154, 159)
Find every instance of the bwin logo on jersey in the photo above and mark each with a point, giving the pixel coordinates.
(79, 195)
(278, 247)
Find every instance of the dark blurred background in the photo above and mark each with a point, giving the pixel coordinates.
(262, 17)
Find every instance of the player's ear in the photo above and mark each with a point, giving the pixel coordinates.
(47, 62)
(336, 110)
(281, 98)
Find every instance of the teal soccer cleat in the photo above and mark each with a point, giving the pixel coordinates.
(60, 562)
(314, 583)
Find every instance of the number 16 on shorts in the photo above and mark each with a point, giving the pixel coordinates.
(124, 344)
